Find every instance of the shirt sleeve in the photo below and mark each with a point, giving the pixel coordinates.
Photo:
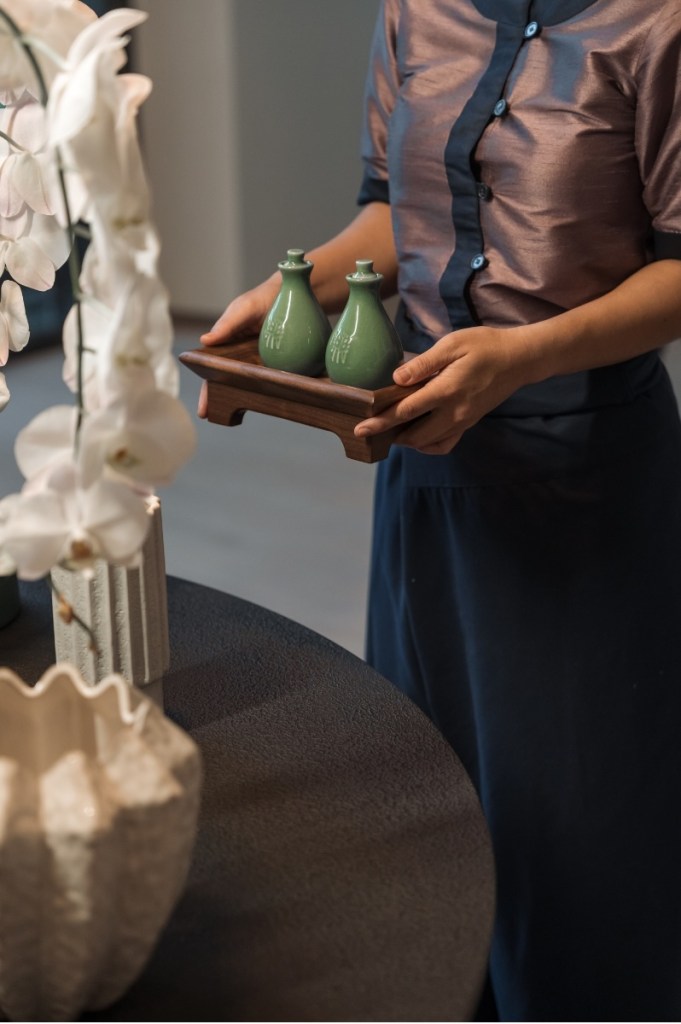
(381, 90)
(658, 130)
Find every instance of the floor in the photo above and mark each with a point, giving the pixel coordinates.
(270, 511)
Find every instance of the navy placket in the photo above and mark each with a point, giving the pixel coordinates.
(516, 26)
(485, 105)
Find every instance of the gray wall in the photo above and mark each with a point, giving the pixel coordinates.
(301, 69)
(251, 133)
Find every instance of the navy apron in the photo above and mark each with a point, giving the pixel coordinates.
(526, 594)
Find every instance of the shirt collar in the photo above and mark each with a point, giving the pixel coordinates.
(520, 12)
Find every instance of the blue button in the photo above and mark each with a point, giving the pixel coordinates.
(478, 262)
(483, 191)
(531, 30)
(500, 108)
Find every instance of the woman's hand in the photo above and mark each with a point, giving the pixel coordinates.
(243, 318)
(467, 373)
(472, 371)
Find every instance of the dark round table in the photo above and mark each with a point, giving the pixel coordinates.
(343, 869)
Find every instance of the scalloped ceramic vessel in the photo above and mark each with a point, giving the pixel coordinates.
(99, 796)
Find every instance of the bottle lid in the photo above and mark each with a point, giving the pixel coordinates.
(294, 258)
(365, 272)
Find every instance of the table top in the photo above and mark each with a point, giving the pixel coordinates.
(342, 870)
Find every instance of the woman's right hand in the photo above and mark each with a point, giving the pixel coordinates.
(243, 318)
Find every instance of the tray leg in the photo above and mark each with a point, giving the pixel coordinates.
(227, 406)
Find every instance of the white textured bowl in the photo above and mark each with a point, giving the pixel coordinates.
(99, 796)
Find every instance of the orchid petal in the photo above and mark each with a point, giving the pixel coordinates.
(47, 439)
(17, 225)
(52, 239)
(146, 440)
(25, 122)
(117, 518)
(4, 392)
(104, 32)
(72, 101)
(28, 264)
(11, 202)
(12, 306)
(35, 535)
(29, 182)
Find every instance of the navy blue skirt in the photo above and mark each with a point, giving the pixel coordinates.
(526, 593)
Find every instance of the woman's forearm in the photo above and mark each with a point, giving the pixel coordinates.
(641, 314)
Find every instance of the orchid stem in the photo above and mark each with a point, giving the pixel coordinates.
(13, 143)
(16, 31)
(73, 616)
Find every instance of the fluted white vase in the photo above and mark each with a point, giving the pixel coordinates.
(127, 610)
(99, 794)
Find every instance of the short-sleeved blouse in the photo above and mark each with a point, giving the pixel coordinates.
(531, 152)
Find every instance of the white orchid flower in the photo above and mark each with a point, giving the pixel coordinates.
(145, 436)
(46, 442)
(14, 330)
(29, 172)
(92, 117)
(119, 251)
(32, 247)
(24, 166)
(66, 524)
(136, 333)
(32, 243)
(50, 26)
(88, 474)
(92, 108)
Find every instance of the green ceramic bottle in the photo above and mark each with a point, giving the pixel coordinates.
(364, 347)
(296, 329)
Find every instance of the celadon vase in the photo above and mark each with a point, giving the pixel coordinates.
(364, 347)
(99, 800)
(295, 331)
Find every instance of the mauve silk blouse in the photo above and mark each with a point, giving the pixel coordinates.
(531, 152)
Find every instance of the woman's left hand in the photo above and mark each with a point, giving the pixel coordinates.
(467, 374)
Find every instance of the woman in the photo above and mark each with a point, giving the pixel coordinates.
(522, 191)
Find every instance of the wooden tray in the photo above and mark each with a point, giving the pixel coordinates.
(238, 383)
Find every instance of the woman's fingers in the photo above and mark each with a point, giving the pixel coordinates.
(427, 364)
(413, 407)
(240, 318)
(244, 316)
(433, 434)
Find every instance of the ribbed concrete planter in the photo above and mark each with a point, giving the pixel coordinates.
(127, 609)
(99, 796)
